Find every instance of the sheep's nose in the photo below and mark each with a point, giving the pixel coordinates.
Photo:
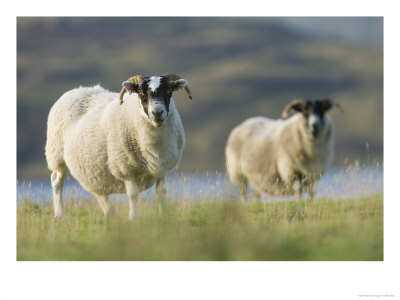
(157, 113)
(315, 129)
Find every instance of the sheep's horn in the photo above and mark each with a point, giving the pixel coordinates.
(173, 77)
(289, 107)
(337, 104)
(135, 79)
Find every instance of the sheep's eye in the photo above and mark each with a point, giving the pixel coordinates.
(142, 96)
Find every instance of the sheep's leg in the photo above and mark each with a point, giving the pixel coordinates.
(256, 197)
(106, 206)
(311, 190)
(161, 192)
(132, 191)
(57, 183)
(298, 187)
(243, 191)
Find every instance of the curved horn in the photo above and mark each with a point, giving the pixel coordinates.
(173, 77)
(291, 105)
(135, 79)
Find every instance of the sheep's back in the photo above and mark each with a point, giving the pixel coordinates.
(75, 103)
(242, 142)
(67, 122)
(260, 152)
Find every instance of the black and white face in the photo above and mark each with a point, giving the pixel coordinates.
(155, 96)
(315, 114)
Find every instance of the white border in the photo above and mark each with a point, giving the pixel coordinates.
(198, 280)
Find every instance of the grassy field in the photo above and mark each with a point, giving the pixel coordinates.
(323, 229)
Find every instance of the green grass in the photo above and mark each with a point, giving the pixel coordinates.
(323, 229)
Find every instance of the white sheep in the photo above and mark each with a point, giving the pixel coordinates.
(285, 156)
(111, 148)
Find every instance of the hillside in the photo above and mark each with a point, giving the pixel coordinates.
(236, 68)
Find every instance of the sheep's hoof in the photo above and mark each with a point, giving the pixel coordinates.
(58, 218)
(133, 217)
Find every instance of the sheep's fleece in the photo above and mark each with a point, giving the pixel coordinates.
(278, 157)
(103, 143)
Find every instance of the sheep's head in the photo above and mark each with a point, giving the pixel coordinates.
(313, 111)
(155, 94)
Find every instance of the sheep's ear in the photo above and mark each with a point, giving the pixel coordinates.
(130, 86)
(328, 103)
(177, 84)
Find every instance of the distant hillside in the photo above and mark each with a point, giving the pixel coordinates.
(236, 68)
(365, 30)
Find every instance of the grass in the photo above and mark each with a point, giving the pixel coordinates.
(323, 229)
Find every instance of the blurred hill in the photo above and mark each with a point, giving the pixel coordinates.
(356, 30)
(236, 68)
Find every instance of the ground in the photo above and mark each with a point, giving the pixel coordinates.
(323, 229)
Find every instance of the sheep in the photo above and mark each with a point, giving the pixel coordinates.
(111, 148)
(285, 156)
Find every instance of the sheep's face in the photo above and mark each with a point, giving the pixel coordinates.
(155, 96)
(314, 113)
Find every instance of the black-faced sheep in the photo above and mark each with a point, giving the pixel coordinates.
(111, 148)
(285, 156)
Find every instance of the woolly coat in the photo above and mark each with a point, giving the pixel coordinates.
(272, 154)
(103, 143)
